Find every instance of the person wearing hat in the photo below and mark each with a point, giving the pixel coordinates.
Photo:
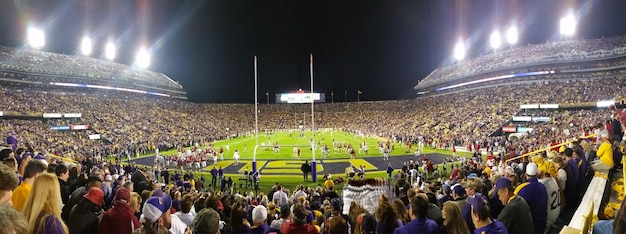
(119, 219)
(156, 215)
(458, 195)
(207, 221)
(472, 186)
(419, 222)
(516, 215)
(446, 192)
(605, 155)
(85, 215)
(536, 196)
(480, 216)
(92, 181)
(546, 170)
(259, 220)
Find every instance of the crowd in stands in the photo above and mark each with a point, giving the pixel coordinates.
(559, 51)
(492, 195)
(132, 125)
(41, 62)
(44, 194)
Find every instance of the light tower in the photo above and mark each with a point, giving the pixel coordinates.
(568, 25)
(36, 37)
(459, 50)
(85, 46)
(495, 40)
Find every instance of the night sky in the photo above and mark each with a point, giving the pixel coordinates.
(379, 47)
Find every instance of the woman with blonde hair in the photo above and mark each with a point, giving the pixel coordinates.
(135, 204)
(453, 222)
(43, 206)
(386, 217)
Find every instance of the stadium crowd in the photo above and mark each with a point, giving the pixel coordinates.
(49, 195)
(80, 193)
(41, 62)
(558, 51)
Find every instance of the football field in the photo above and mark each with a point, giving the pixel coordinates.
(277, 159)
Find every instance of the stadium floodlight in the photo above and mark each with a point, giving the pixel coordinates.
(109, 51)
(512, 35)
(143, 58)
(459, 50)
(85, 46)
(495, 40)
(568, 25)
(36, 37)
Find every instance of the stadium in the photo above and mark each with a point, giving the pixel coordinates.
(480, 132)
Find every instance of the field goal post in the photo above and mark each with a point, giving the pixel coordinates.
(256, 121)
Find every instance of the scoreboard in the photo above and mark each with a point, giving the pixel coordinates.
(300, 97)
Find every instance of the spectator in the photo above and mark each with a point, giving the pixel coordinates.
(92, 181)
(63, 174)
(259, 220)
(12, 221)
(401, 211)
(116, 220)
(298, 223)
(184, 214)
(546, 170)
(516, 215)
(284, 217)
(20, 194)
(453, 222)
(207, 221)
(419, 223)
(336, 223)
(8, 182)
(135, 204)
(481, 219)
(237, 224)
(368, 224)
(386, 217)
(536, 196)
(85, 215)
(157, 216)
(43, 208)
(605, 153)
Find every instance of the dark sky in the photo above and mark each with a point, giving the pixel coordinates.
(380, 47)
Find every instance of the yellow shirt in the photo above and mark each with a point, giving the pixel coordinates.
(605, 153)
(329, 183)
(20, 194)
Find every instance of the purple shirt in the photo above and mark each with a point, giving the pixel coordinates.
(494, 228)
(425, 226)
(52, 225)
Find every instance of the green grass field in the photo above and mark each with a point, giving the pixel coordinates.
(245, 145)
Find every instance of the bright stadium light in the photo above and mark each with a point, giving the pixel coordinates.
(459, 50)
(85, 46)
(512, 35)
(109, 51)
(143, 58)
(36, 37)
(495, 40)
(568, 25)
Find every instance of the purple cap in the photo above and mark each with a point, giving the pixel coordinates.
(155, 207)
(503, 182)
(477, 202)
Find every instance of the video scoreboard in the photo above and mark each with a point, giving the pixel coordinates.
(300, 97)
